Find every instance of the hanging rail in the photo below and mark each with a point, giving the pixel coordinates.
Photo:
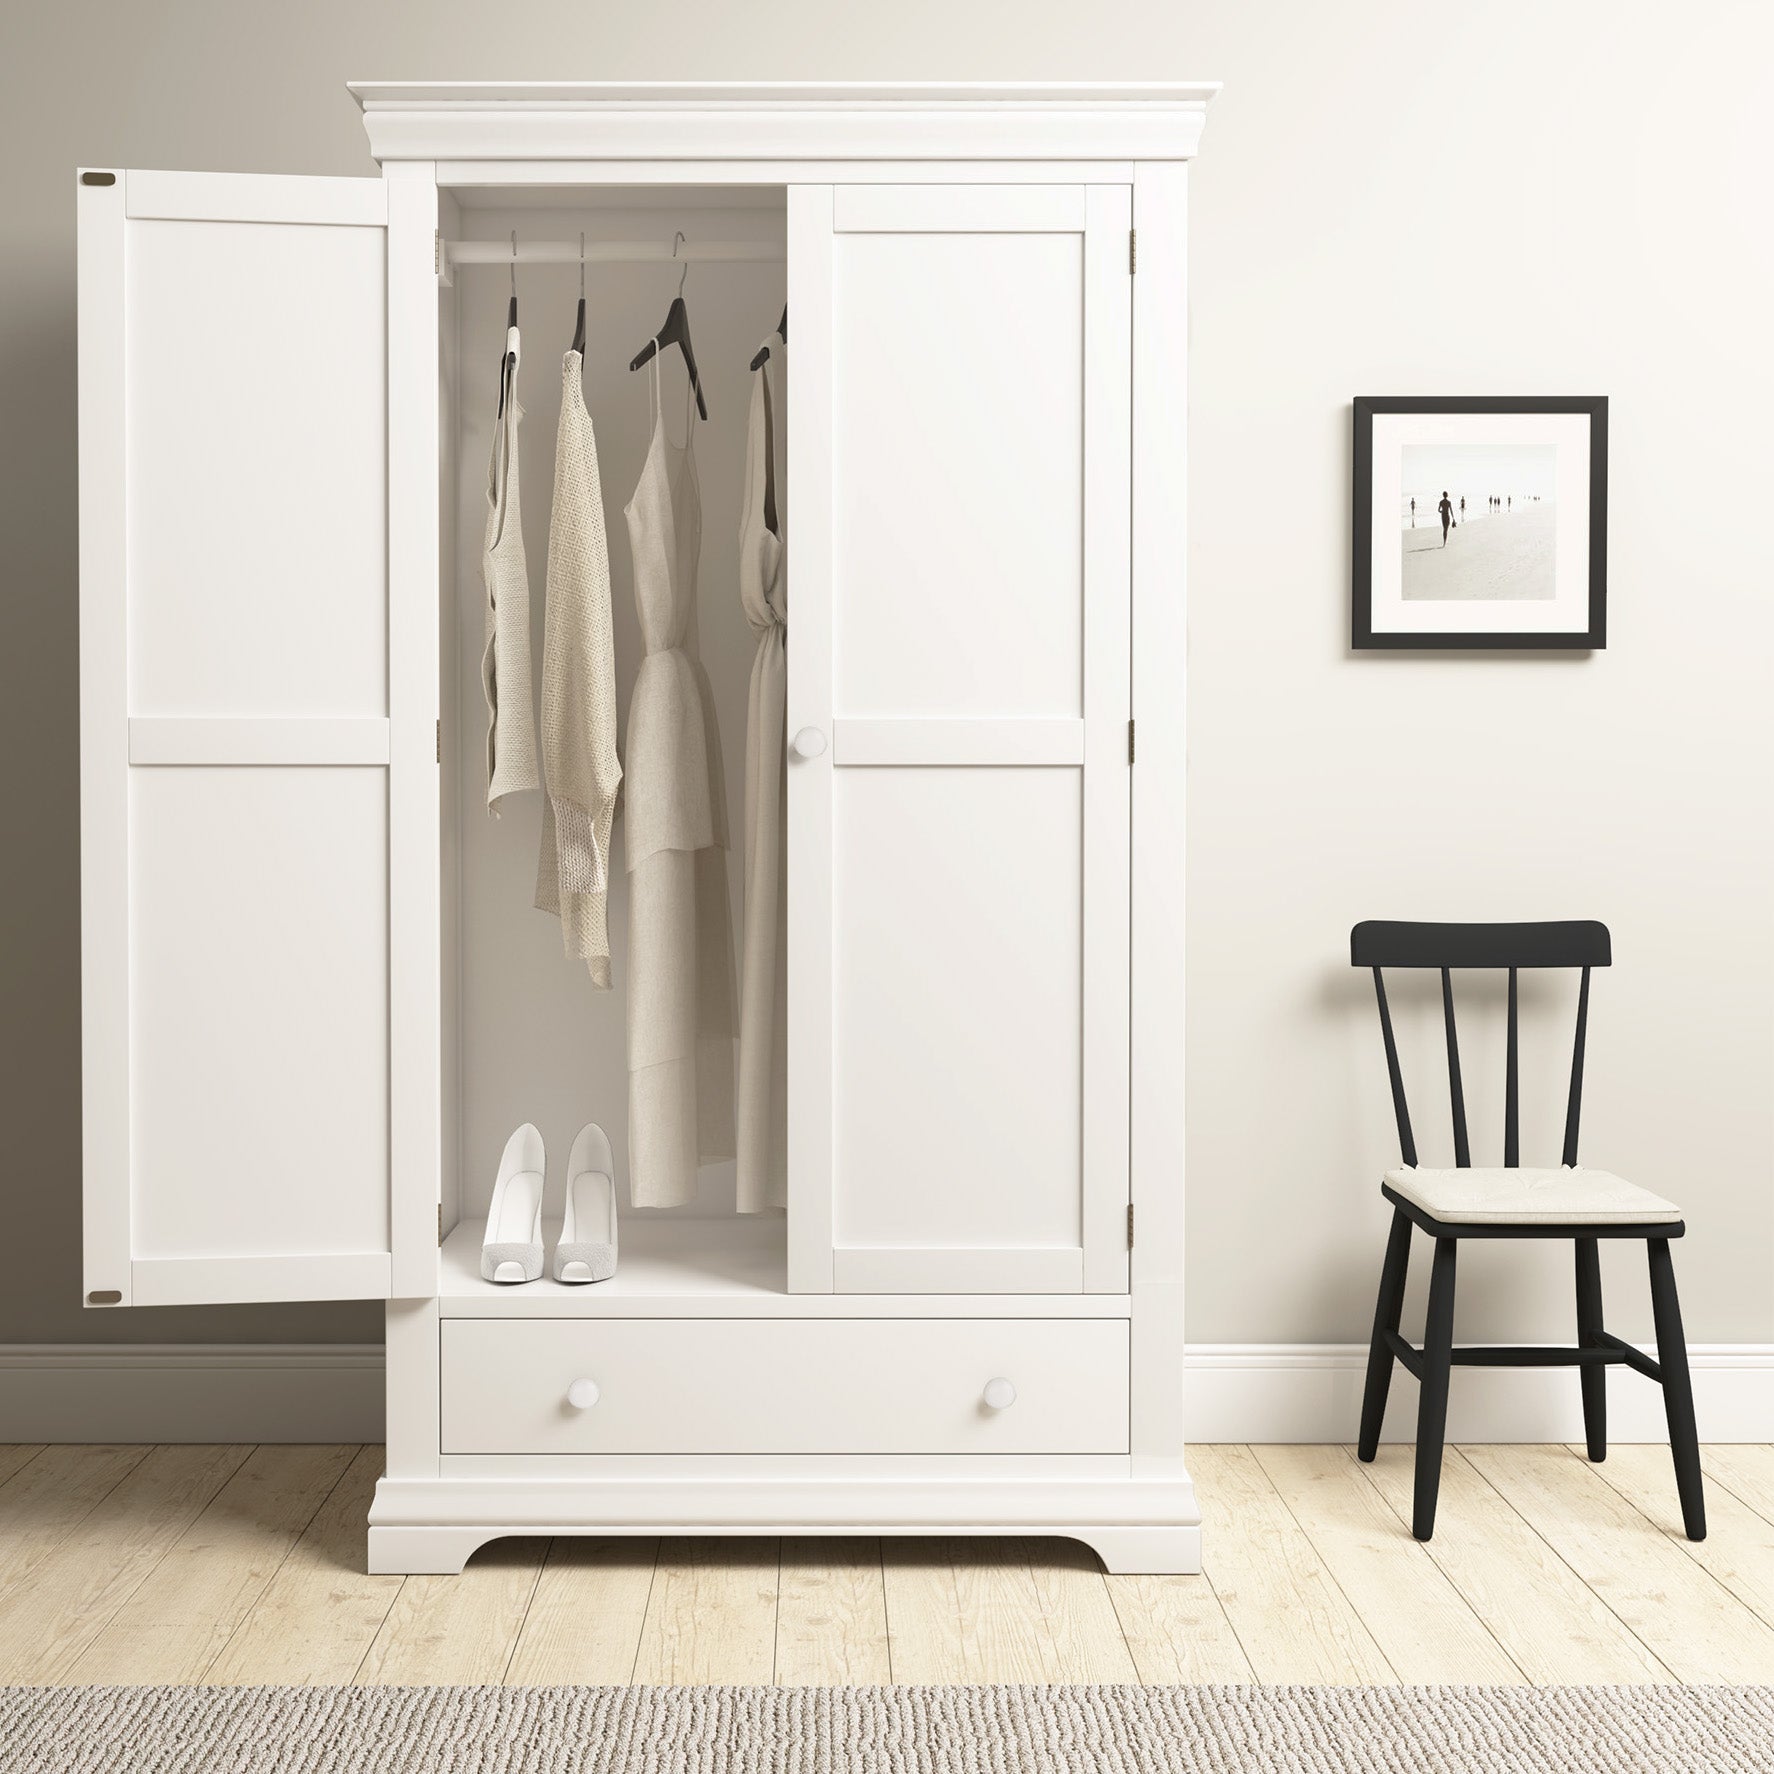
(606, 252)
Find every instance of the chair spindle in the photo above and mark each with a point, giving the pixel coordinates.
(1407, 1145)
(1574, 1109)
(1456, 1095)
(1511, 1087)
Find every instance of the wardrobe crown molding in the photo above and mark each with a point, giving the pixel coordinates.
(796, 120)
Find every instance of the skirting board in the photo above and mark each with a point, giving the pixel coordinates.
(1234, 1392)
(1311, 1392)
(191, 1392)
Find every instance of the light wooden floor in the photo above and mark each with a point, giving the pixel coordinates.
(243, 1564)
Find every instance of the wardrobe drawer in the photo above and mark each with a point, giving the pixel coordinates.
(784, 1386)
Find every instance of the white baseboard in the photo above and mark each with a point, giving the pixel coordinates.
(190, 1392)
(1266, 1392)
(1262, 1392)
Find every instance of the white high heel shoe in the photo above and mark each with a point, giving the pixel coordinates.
(512, 1247)
(587, 1250)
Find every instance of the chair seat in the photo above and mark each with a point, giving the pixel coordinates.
(1530, 1196)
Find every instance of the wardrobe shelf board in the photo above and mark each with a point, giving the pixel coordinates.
(714, 1268)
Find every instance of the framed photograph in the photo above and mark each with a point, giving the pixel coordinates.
(1480, 522)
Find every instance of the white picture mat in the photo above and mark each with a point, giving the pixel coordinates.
(1567, 611)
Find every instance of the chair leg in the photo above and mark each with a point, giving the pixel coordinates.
(1589, 1325)
(1386, 1315)
(1678, 1389)
(1432, 1405)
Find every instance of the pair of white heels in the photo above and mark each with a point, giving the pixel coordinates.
(511, 1251)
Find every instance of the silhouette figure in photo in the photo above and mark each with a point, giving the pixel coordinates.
(1446, 509)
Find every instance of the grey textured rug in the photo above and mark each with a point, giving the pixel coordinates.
(1118, 1730)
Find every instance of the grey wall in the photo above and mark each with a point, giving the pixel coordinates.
(1518, 197)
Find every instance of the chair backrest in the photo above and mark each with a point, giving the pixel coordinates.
(1571, 943)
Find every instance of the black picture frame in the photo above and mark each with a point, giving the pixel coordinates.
(1362, 637)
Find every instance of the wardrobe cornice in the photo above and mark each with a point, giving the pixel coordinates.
(595, 120)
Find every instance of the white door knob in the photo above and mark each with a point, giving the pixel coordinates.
(1000, 1395)
(583, 1394)
(809, 742)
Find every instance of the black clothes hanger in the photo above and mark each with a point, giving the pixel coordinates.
(763, 355)
(676, 331)
(579, 325)
(508, 366)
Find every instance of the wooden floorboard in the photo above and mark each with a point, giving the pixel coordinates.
(1290, 1614)
(457, 1629)
(190, 1604)
(584, 1621)
(711, 1616)
(1552, 1624)
(321, 1613)
(831, 1614)
(49, 1617)
(1424, 1627)
(1739, 1546)
(236, 1564)
(1689, 1621)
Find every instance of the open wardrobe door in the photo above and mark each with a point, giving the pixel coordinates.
(257, 775)
(959, 748)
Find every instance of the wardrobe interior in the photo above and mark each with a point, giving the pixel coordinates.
(527, 1036)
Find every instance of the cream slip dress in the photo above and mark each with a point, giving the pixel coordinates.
(763, 985)
(505, 661)
(680, 970)
(580, 769)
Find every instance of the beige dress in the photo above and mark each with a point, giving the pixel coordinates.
(580, 770)
(505, 661)
(763, 984)
(680, 948)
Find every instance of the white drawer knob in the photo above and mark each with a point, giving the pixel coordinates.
(809, 742)
(1000, 1395)
(582, 1394)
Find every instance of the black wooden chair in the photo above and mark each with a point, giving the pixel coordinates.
(1514, 1202)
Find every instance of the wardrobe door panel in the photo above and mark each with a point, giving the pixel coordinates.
(959, 402)
(957, 976)
(959, 853)
(257, 417)
(247, 780)
(253, 1132)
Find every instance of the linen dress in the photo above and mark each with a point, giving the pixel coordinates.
(505, 660)
(680, 971)
(580, 769)
(763, 987)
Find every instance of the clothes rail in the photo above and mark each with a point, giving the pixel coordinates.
(566, 252)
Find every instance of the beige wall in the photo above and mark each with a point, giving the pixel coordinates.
(1514, 197)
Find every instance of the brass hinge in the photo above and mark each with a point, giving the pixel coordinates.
(1130, 742)
(440, 760)
(1130, 1225)
(1133, 251)
(436, 252)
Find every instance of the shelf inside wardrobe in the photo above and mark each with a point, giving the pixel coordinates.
(684, 1267)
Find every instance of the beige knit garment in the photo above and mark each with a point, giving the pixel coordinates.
(680, 946)
(763, 982)
(505, 663)
(580, 770)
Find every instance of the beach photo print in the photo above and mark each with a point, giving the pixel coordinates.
(1479, 522)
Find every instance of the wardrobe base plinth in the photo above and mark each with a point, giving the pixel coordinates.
(422, 1526)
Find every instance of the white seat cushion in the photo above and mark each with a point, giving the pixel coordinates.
(1530, 1196)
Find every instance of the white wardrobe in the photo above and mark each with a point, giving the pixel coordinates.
(316, 996)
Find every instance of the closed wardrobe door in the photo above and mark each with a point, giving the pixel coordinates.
(257, 776)
(959, 744)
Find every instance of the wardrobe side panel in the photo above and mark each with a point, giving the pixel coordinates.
(1160, 489)
(415, 778)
